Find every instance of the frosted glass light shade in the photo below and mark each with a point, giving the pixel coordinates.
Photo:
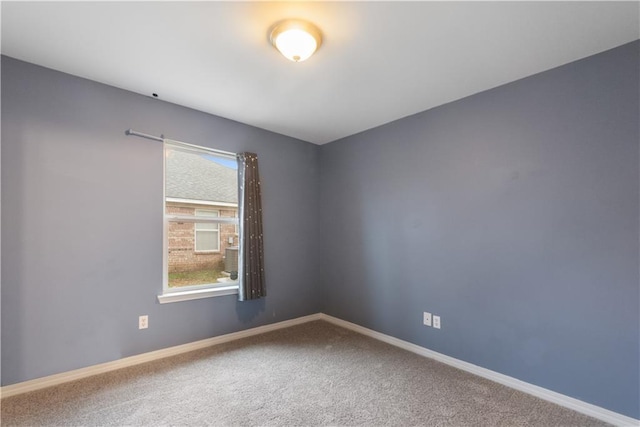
(295, 39)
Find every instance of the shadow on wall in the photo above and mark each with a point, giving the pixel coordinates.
(247, 311)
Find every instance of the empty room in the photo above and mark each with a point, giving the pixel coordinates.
(320, 213)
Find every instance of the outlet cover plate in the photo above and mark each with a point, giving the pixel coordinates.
(436, 322)
(143, 322)
(426, 318)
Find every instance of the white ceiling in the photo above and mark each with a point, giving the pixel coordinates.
(379, 61)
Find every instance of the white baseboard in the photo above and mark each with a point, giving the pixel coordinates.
(51, 380)
(543, 393)
(551, 396)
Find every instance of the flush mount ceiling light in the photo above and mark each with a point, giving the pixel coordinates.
(295, 39)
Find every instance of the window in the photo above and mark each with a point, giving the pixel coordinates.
(201, 218)
(207, 235)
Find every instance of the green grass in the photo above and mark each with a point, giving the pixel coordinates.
(198, 277)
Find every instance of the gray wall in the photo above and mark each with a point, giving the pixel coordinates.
(512, 214)
(82, 224)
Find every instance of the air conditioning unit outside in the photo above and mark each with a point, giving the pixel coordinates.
(231, 259)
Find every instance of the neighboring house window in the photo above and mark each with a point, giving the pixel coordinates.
(235, 230)
(207, 235)
(201, 215)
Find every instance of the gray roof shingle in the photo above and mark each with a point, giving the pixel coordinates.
(193, 176)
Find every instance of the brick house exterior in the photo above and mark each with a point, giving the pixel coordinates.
(182, 251)
(195, 182)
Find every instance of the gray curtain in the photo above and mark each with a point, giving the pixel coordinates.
(251, 256)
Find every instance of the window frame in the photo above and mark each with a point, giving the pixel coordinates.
(185, 293)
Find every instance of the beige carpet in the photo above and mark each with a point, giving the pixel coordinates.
(312, 374)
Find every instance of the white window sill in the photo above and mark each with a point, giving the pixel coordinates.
(197, 294)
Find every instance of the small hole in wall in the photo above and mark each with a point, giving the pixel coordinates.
(155, 95)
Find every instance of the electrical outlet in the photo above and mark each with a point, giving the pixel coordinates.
(436, 322)
(426, 318)
(143, 322)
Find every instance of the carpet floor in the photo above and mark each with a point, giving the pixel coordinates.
(312, 374)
